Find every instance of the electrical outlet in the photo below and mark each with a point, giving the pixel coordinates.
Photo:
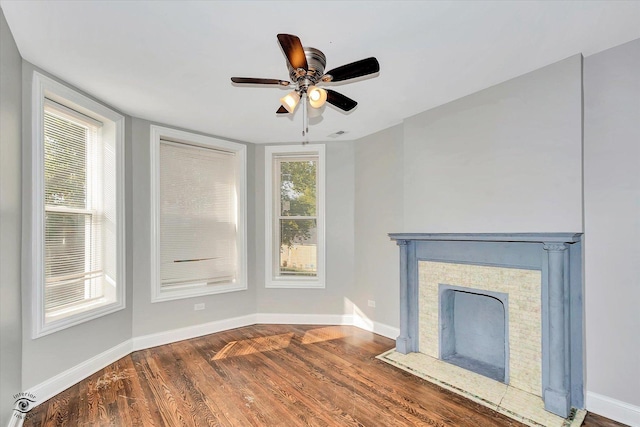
(372, 304)
(197, 307)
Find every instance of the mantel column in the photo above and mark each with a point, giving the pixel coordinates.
(556, 395)
(405, 341)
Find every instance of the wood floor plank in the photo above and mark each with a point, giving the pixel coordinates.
(160, 392)
(236, 389)
(215, 390)
(594, 420)
(133, 397)
(292, 390)
(265, 375)
(404, 410)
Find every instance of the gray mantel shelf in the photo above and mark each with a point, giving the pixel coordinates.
(491, 237)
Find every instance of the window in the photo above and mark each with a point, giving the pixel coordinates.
(198, 198)
(78, 208)
(295, 216)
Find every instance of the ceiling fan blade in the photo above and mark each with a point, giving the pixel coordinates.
(282, 110)
(293, 50)
(254, 81)
(353, 70)
(340, 101)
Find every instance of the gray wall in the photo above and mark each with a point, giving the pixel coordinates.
(151, 318)
(612, 221)
(339, 211)
(505, 159)
(52, 354)
(378, 210)
(10, 221)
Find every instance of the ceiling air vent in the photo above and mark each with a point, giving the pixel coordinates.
(337, 134)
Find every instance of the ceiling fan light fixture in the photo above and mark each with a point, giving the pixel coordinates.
(317, 96)
(315, 112)
(290, 101)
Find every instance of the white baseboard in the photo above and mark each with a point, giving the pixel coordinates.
(14, 421)
(303, 319)
(617, 410)
(329, 319)
(375, 327)
(66, 379)
(54, 385)
(175, 335)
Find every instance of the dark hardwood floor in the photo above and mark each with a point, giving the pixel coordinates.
(265, 375)
(594, 420)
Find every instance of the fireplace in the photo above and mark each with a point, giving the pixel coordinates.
(505, 306)
(473, 330)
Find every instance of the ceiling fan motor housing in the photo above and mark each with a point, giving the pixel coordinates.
(316, 62)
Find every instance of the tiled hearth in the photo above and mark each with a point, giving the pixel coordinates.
(528, 287)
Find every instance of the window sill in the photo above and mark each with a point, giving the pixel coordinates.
(72, 320)
(294, 284)
(196, 292)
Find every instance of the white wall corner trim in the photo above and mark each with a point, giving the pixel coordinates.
(615, 409)
(66, 379)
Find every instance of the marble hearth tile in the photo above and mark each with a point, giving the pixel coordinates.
(475, 387)
(530, 407)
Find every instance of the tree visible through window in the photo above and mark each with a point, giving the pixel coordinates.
(294, 217)
(298, 232)
(71, 264)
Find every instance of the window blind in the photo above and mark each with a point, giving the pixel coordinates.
(198, 216)
(72, 187)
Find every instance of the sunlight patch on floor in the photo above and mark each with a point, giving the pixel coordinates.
(254, 345)
(323, 334)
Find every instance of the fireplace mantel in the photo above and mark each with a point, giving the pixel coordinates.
(490, 237)
(559, 258)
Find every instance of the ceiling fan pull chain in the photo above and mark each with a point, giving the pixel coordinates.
(305, 120)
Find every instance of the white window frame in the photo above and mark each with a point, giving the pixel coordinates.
(271, 256)
(240, 150)
(44, 88)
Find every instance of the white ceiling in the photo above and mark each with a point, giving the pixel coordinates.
(171, 61)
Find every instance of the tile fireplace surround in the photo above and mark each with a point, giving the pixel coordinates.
(540, 274)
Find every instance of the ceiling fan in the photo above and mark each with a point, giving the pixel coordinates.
(306, 71)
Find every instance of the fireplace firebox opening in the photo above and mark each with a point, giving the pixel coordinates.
(474, 330)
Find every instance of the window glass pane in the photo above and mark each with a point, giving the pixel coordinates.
(298, 188)
(73, 229)
(298, 247)
(68, 271)
(65, 162)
